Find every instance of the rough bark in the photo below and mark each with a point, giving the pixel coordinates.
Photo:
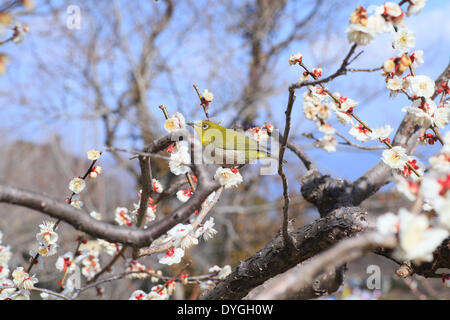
(276, 258)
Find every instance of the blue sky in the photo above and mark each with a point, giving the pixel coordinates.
(432, 29)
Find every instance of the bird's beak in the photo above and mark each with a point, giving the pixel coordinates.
(190, 124)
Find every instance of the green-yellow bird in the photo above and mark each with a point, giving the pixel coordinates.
(227, 147)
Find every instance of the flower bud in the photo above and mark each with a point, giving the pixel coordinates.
(389, 66)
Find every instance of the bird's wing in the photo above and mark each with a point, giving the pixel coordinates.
(239, 141)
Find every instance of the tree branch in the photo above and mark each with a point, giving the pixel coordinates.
(276, 258)
(299, 278)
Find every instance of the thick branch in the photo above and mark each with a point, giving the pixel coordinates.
(347, 250)
(276, 258)
(99, 229)
(326, 283)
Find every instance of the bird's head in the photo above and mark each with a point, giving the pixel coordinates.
(207, 130)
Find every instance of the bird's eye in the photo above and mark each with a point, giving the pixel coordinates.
(205, 126)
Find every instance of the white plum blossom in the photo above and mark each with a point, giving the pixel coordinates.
(184, 195)
(441, 116)
(150, 212)
(158, 292)
(417, 58)
(122, 217)
(172, 256)
(65, 263)
(96, 215)
(206, 230)
(343, 109)
(96, 170)
(443, 212)
(417, 240)
(421, 86)
(76, 203)
(441, 162)
(310, 110)
(47, 250)
(228, 177)
(415, 6)
(93, 154)
(407, 188)
(394, 84)
(359, 34)
(5, 254)
(422, 112)
(175, 122)
(136, 266)
(47, 235)
(389, 66)
(5, 293)
(343, 117)
(418, 166)
(109, 247)
(23, 280)
(214, 269)
(21, 294)
(393, 11)
(183, 236)
(157, 186)
(377, 24)
(258, 134)
(388, 224)
(446, 147)
(446, 280)
(327, 142)
(326, 128)
(360, 133)
(404, 40)
(157, 296)
(91, 265)
(4, 272)
(395, 157)
(295, 58)
(381, 133)
(207, 96)
(138, 295)
(435, 188)
(345, 104)
(76, 185)
(178, 161)
(224, 272)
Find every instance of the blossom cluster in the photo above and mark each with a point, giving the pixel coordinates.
(420, 234)
(78, 184)
(20, 284)
(124, 217)
(318, 107)
(158, 292)
(47, 238)
(183, 236)
(7, 21)
(384, 19)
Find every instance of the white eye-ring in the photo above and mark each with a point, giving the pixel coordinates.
(205, 126)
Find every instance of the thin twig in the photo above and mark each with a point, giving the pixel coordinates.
(167, 245)
(108, 266)
(350, 143)
(286, 237)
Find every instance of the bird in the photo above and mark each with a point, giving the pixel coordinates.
(227, 147)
